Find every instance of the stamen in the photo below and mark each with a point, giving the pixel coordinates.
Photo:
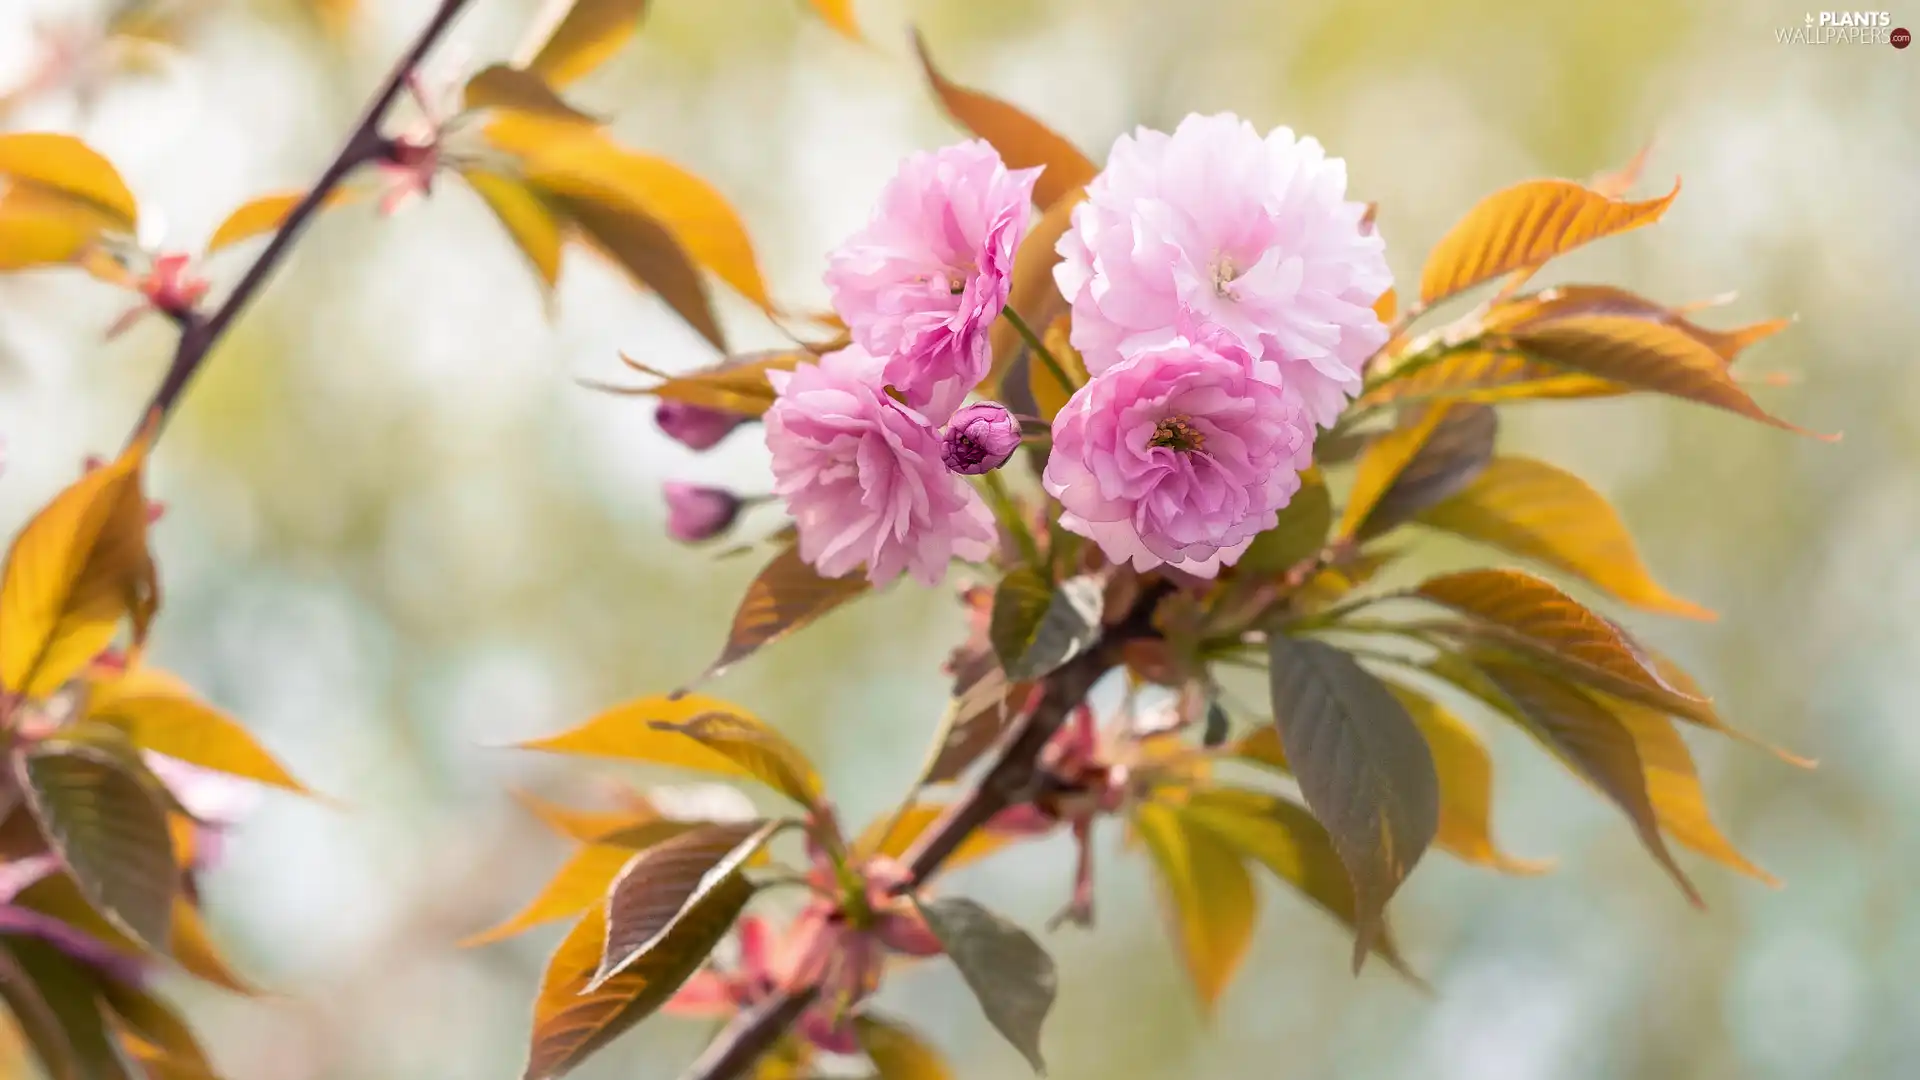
(1177, 433)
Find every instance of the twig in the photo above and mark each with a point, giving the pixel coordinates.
(1014, 778)
(365, 144)
(1039, 348)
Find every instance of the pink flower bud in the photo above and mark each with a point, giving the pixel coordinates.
(980, 438)
(694, 426)
(696, 513)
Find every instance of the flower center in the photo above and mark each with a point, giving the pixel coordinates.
(964, 451)
(1223, 274)
(1177, 433)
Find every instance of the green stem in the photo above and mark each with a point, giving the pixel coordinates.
(1033, 342)
(1008, 511)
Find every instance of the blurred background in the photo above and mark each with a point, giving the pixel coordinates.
(401, 535)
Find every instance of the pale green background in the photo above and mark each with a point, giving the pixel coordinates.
(401, 535)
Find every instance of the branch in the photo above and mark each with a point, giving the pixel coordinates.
(365, 144)
(1013, 778)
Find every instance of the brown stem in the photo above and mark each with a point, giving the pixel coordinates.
(1013, 778)
(198, 334)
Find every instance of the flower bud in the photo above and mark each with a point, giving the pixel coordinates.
(696, 513)
(695, 426)
(980, 438)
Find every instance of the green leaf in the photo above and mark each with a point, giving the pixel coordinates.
(571, 1022)
(665, 881)
(1019, 603)
(786, 596)
(1207, 895)
(1069, 626)
(586, 37)
(1363, 767)
(1285, 838)
(1535, 511)
(1454, 454)
(71, 994)
(1007, 970)
(1529, 614)
(38, 1023)
(1299, 534)
(109, 829)
(1591, 741)
(898, 1052)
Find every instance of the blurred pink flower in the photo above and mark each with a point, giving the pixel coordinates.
(216, 800)
(922, 284)
(862, 476)
(1216, 225)
(1180, 455)
(696, 512)
(695, 426)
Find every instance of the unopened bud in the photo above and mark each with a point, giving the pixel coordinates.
(694, 426)
(980, 438)
(696, 513)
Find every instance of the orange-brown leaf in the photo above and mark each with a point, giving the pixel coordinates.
(1380, 464)
(161, 713)
(892, 836)
(503, 86)
(1208, 898)
(786, 596)
(1563, 301)
(1466, 787)
(1673, 786)
(1525, 225)
(1486, 377)
(257, 217)
(69, 167)
(631, 732)
(839, 15)
(587, 36)
(1023, 142)
(736, 385)
(532, 223)
(580, 883)
(649, 253)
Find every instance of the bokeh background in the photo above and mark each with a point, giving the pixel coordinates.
(402, 535)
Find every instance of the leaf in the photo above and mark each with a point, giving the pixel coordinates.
(1530, 614)
(1033, 292)
(1022, 141)
(158, 712)
(1208, 896)
(1563, 301)
(736, 385)
(1592, 742)
(1486, 376)
(586, 166)
(1454, 454)
(897, 1051)
(839, 15)
(39, 227)
(66, 166)
(1019, 603)
(1381, 463)
(1673, 786)
(581, 882)
(1299, 534)
(893, 835)
(590, 33)
(1009, 973)
(762, 752)
(570, 1022)
(659, 885)
(1363, 767)
(1707, 717)
(1049, 393)
(632, 731)
(1069, 626)
(976, 718)
(785, 597)
(585, 826)
(109, 830)
(78, 568)
(263, 215)
(159, 1038)
(647, 251)
(503, 86)
(531, 223)
(1535, 511)
(70, 991)
(1525, 225)
(1465, 769)
(194, 950)
(1646, 356)
(37, 1021)
(1285, 838)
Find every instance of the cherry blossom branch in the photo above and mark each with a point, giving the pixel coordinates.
(365, 144)
(1014, 778)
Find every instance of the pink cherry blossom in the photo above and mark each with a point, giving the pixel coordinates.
(1179, 455)
(863, 476)
(922, 284)
(1215, 225)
